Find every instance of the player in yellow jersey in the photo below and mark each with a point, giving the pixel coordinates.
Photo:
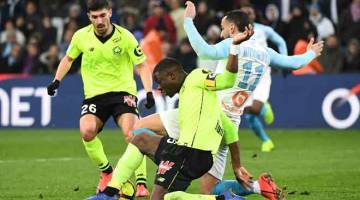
(109, 54)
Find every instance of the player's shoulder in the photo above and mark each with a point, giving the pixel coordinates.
(84, 31)
(123, 31)
(262, 26)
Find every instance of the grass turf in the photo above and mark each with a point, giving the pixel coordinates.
(52, 164)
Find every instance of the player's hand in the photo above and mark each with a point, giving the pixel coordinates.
(150, 101)
(243, 177)
(243, 36)
(190, 10)
(317, 47)
(52, 87)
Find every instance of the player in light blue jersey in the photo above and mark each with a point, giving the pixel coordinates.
(258, 105)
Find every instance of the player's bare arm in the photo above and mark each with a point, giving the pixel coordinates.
(62, 70)
(146, 79)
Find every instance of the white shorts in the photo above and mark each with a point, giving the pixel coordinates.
(262, 90)
(169, 118)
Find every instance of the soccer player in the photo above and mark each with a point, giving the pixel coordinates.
(109, 53)
(257, 105)
(200, 120)
(166, 122)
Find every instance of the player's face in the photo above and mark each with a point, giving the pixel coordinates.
(100, 19)
(167, 81)
(227, 28)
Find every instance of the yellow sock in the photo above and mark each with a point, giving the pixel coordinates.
(126, 166)
(180, 195)
(140, 173)
(96, 153)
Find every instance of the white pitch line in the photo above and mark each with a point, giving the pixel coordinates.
(63, 159)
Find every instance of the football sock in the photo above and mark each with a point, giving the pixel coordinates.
(96, 153)
(126, 166)
(180, 195)
(140, 173)
(231, 185)
(256, 125)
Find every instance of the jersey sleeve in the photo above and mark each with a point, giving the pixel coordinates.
(203, 49)
(135, 52)
(289, 62)
(209, 80)
(73, 50)
(276, 39)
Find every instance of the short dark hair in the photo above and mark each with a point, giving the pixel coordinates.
(168, 63)
(239, 18)
(94, 5)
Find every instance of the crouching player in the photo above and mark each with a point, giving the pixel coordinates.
(200, 120)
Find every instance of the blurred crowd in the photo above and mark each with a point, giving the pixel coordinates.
(34, 34)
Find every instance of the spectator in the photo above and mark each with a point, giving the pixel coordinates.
(204, 18)
(352, 57)
(65, 42)
(159, 18)
(14, 62)
(186, 55)
(48, 33)
(323, 24)
(20, 25)
(32, 18)
(8, 44)
(349, 22)
(272, 15)
(177, 15)
(332, 57)
(9, 26)
(32, 64)
(295, 25)
(50, 59)
(130, 23)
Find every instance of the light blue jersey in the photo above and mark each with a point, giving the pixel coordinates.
(254, 59)
(221, 50)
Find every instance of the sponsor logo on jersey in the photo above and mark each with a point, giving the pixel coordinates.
(165, 166)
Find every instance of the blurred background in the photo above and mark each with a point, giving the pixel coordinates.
(35, 34)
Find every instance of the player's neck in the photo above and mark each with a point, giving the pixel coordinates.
(107, 33)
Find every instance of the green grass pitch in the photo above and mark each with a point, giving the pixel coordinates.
(52, 164)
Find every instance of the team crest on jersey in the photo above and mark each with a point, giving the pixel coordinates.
(138, 52)
(164, 167)
(117, 50)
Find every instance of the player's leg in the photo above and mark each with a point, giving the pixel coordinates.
(139, 145)
(264, 185)
(152, 122)
(127, 123)
(260, 96)
(94, 115)
(180, 195)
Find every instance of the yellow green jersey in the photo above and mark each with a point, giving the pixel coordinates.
(106, 67)
(200, 114)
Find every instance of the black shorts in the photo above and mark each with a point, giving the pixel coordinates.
(110, 104)
(179, 165)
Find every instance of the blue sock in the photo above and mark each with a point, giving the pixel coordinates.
(256, 125)
(232, 185)
(143, 130)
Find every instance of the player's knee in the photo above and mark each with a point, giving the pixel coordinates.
(139, 140)
(88, 133)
